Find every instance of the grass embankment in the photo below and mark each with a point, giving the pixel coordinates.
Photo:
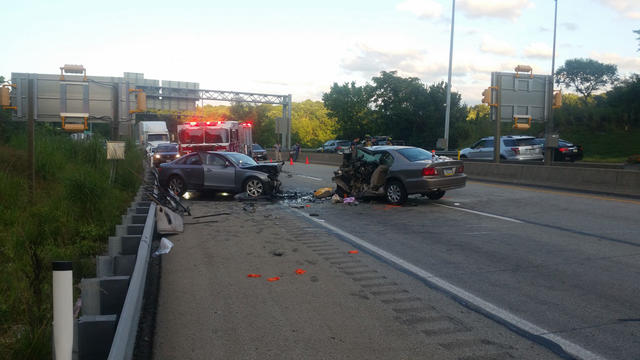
(614, 146)
(73, 212)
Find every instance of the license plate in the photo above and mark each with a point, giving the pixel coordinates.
(448, 172)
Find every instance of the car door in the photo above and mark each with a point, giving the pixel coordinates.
(485, 150)
(193, 171)
(476, 150)
(219, 173)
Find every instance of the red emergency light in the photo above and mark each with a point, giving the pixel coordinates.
(193, 123)
(246, 124)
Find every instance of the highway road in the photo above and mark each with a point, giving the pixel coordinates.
(561, 266)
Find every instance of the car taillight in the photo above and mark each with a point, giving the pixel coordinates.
(338, 148)
(563, 149)
(460, 169)
(429, 171)
(515, 150)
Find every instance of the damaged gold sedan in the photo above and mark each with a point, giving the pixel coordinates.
(395, 172)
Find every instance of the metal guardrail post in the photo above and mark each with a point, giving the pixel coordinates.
(125, 336)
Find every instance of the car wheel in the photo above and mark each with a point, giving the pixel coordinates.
(435, 195)
(395, 193)
(254, 187)
(177, 185)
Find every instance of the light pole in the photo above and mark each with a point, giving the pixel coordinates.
(548, 151)
(448, 112)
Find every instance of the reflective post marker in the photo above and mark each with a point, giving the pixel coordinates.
(62, 309)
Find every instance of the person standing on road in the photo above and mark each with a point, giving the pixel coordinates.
(355, 144)
(297, 152)
(277, 148)
(367, 141)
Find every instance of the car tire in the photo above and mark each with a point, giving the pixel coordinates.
(395, 192)
(435, 195)
(341, 192)
(177, 185)
(253, 187)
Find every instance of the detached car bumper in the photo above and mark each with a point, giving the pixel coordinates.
(426, 184)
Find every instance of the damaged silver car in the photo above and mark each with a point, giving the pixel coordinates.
(396, 172)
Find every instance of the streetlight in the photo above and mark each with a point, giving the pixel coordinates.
(548, 151)
(448, 112)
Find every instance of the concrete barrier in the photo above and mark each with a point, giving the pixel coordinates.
(601, 178)
(608, 181)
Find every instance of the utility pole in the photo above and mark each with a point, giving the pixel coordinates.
(548, 151)
(115, 123)
(448, 111)
(31, 148)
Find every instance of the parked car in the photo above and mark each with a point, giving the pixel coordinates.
(332, 146)
(565, 151)
(394, 172)
(258, 152)
(164, 153)
(222, 171)
(512, 147)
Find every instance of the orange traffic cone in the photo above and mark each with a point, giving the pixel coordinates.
(290, 161)
(307, 161)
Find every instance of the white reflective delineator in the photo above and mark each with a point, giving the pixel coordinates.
(62, 309)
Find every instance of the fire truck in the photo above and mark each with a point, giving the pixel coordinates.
(196, 136)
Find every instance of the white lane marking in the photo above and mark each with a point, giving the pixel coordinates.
(569, 347)
(481, 213)
(309, 177)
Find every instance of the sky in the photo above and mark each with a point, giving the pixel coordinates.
(303, 47)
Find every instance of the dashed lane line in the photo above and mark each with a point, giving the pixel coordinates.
(481, 213)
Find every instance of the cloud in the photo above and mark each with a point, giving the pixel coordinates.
(370, 61)
(625, 64)
(494, 46)
(505, 9)
(423, 9)
(627, 8)
(538, 50)
(569, 26)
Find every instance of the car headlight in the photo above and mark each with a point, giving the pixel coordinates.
(157, 156)
(177, 156)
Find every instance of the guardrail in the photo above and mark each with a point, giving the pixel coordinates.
(112, 301)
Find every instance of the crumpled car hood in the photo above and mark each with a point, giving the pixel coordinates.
(271, 169)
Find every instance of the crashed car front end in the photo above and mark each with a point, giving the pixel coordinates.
(269, 175)
(396, 172)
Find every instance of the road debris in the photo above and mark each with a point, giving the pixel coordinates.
(211, 215)
(277, 252)
(275, 278)
(164, 248)
(254, 275)
(322, 193)
(353, 251)
(300, 271)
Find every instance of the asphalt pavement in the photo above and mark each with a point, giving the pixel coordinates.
(561, 265)
(318, 295)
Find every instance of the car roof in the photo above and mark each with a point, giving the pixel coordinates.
(390, 147)
(510, 137)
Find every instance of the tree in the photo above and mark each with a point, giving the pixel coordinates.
(586, 76)
(348, 104)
